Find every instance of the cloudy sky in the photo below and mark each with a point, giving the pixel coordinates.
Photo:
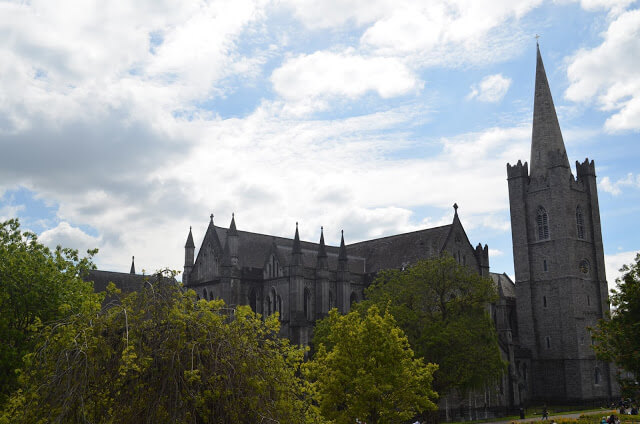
(122, 123)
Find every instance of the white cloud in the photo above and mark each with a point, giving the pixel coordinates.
(10, 211)
(609, 73)
(614, 262)
(66, 235)
(492, 88)
(616, 187)
(323, 75)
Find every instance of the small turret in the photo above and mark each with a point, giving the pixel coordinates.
(133, 267)
(342, 255)
(189, 250)
(585, 169)
(296, 253)
(232, 241)
(323, 263)
(518, 170)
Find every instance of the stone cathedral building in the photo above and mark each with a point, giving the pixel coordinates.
(541, 319)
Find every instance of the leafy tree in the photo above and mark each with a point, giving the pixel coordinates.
(37, 286)
(442, 307)
(364, 370)
(160, 356)
(618, 335)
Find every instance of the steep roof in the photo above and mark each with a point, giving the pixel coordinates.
(401, 249)
(506, 287)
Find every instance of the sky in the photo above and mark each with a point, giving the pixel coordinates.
(123, 123)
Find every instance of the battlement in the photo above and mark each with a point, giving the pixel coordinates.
(482, 254)
(585, 168)
(518, 170)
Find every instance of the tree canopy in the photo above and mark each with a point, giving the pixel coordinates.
(160, 356)
(442, 307)
(364, 370)
(618, 336)
(37, 286)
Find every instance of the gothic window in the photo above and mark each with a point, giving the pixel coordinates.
(584, 266)
(548, 339)
(204, 294)
(588, 301)
(307, 304)
(580, 222)
(253, 300)
(542, 220)
(268, 305)
(331, 300)
(269, 273)
(211, 295)
(544, 265)
(544, 301)
(274, 299)
(279, 306)
(353, 299)
(596, 377)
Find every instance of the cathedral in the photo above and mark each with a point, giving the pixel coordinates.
(542, 318)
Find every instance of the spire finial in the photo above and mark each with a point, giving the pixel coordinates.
(296, 242)
(537, 37)
(342, 253)
(211, 217)
(455, 207)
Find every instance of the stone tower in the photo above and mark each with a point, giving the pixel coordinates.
(561, 288)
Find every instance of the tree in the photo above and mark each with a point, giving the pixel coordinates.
(37, 286)
(618, 335)
(442, 307)
(364, 370)
(160, 356)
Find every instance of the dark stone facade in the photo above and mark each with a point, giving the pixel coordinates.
(561, 287)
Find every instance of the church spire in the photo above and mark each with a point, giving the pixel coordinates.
(547, 146)
(323, 263)
(190, 243)
(133, 266)
(296, 242)
(232, 227)
(342, 254)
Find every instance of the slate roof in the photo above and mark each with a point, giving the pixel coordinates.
(506, 287)
(401, 249)
(125, 281)
(253, 249)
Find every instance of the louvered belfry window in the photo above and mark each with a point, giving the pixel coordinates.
(580, 222)
(543, 224)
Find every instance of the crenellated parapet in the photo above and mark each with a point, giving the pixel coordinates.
(519, 170)
(585, 169)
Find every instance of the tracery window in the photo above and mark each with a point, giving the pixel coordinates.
(580, 222)
(542, 220)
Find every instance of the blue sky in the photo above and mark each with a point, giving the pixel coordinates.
(122, 124)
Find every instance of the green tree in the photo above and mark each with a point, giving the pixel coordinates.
(37, 286)
(442, 307)
(618, 336)
(365, 370)
(160, 356)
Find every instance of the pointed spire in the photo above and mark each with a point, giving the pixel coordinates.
(296, 243)
(342, 255)
(547, 146)
(232, 227)
(322, 251)
(133, 266)
(190, 243)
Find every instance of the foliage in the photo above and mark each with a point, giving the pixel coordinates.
(37, 286)
(365, 370)
(618, 335)
(442, 307)
(160, 356)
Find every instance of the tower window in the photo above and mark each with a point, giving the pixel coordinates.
(544, 301)
(548, 342)
(580, 222)
(544, 265)
(542, 220)
(596, 377)
(588, 301)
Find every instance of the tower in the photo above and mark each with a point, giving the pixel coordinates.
(189, 249)
(561, 287)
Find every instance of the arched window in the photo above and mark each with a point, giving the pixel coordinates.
(253, 300)
(211, 295)
(279, 305)
(204, 294)
(580, 222)
(542, 220)
(307, 304)
(332, 302)
(268, 306)
(596, 377)
(274, 299)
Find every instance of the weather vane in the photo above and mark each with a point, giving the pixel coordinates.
(537, 37)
